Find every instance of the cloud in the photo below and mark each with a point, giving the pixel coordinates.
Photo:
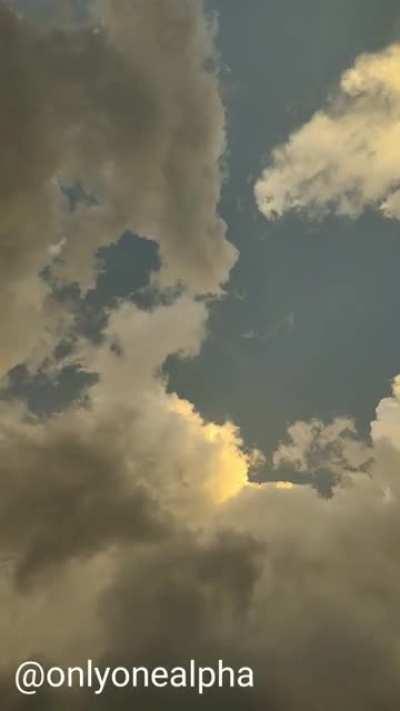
(386, 427)
(132, 112)
(150, 135)
(117, 503)
(128, 528)
(124, 483)
(123, 463)
(314, 446)
(61, 14)
(346, 158)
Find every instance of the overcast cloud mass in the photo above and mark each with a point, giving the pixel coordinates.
(132, 529)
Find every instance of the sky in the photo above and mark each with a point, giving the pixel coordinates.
(199, 360)
(287, 350)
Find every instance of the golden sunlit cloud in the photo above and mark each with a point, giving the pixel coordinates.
(284, 485)
(225, 465)
(347, 157)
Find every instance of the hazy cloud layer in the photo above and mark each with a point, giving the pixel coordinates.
(346, 158)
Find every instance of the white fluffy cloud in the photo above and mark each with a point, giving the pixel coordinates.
(347, 157)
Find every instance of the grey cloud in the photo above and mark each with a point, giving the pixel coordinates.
(64, 495)
(114, 467)
(302, 588)
(132, 111)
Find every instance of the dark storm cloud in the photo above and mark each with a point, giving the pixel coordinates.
(65, 495)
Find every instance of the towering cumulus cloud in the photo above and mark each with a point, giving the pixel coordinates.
(129, 533)
(125, 107)
(347, 157)
(128, 107)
